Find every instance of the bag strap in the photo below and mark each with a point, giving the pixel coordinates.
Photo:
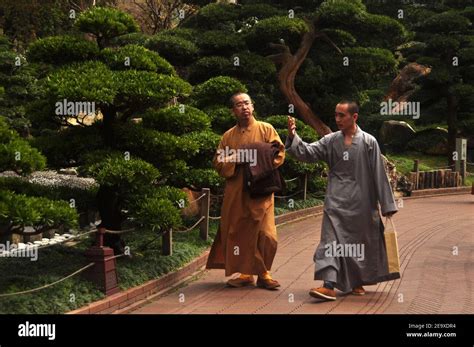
(387, 219)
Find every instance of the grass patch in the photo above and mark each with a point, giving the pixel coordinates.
(283, 205)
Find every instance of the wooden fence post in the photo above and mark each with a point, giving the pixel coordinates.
(416, 169)
(463, 172)
(167, 242)
(205, 202)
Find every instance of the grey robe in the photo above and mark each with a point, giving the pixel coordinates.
(351, 214)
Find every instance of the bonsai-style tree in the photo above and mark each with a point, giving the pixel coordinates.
(305, 55)
(139, 124)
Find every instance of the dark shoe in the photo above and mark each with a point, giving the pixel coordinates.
(267, 283)
(240, 282)
(323, 293)
(358, 291)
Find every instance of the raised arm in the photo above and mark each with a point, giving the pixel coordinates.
(303, 151)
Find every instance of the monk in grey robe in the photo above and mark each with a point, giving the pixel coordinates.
(352, 251)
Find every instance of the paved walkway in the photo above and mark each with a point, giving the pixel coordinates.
(431, 231)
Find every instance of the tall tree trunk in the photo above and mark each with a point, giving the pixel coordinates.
(109, 116)
(289, 65)
(452, 126)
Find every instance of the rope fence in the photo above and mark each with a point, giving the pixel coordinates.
(192, 227)
(199, 198)
(291, 180)
(49, 284)
(118, 232)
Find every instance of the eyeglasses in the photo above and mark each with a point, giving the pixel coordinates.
(242, 104)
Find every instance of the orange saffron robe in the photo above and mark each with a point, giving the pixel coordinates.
(246, 241)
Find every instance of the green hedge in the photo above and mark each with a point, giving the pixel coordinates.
(208, 142)
(15, 152)
(173, 48)
(215, 15)
(220, 43)
(62, 50)
(200, 178)
(274, 29)
(130, 39)
(20, 211)
(156, 147)
(208, 67)
(179, 119)
(136, 57)
(222, 118)
(216, 91)
(106, 22)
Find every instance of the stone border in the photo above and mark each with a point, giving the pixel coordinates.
(427, 193)
(132, 298)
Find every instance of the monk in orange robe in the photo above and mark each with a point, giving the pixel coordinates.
(246, 241)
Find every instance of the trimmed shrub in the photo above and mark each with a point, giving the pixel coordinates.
(208, 142)
(154, 146)
(215, 15)
(222, 118)
(179, 119)
(173, 48)
(201, 178)
(220, 43)
(84, 199)
(136, 57)
(129, 177)
(130, 39)
(274, 29)
(216, 91)
(19, 211)
(16, 154)
(106, 23)
(208, 67)
(143, 88)
(157, 214)
(62, 50)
